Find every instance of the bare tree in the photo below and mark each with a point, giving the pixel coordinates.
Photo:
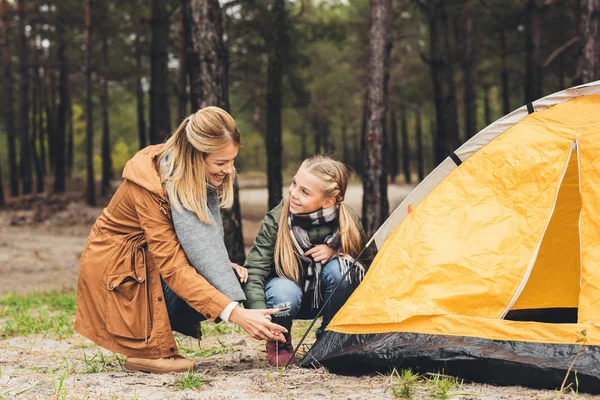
(2, 200)
(469, 71)
(90, 187)
(160, 116)
(13, 171)
(393, 150)
(107, 170)
(375, 202)
(35, 128)
(419, 135)
(59, 133)
(533, 68)
(588, 66)
(207, 35)
(405, 144)
(192, 58)
(274, 100)
(139, 90)
(25, 145)
(446, 138)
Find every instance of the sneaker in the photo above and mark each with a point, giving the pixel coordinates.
(160, 365)
(278, 353)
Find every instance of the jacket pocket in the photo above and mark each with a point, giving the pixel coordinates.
(127, 308)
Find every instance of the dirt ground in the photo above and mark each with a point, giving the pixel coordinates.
(39, 252)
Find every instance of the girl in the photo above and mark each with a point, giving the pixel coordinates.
(135, 283)
(302, 250)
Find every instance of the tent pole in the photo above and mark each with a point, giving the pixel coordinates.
(287, 363)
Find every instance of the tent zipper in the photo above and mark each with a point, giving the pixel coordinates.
(537, 250)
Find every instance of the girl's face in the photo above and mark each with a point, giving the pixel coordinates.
(306, 194)
(220, 164)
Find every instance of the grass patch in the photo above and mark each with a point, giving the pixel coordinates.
(404, 383)
(101, 363)
(187, 349)
(41, 313)
(442, 385)
(190, 380)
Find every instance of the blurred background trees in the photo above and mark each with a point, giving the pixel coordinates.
(390, 87)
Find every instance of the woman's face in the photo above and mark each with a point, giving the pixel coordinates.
(306, 194)
(220, 164)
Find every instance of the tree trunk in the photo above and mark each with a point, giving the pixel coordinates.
(274, 101)
(25, 159)
(90, 188)
(405, 145)
(446, 138)
(51, 120)
(375, 201)
(303, 144)
(13, 171)
(192, 57)
(2, 201)
(41, 121)
(504, 74)
(207, 34)
(533, 68)
(160, 117)
(58, 147)
(139, 90)
(419, 135)
(70, 147)
(315, 126)
(487, 109)
(588, 66)
(470, 96)
(35, 128)
(393, 147)
(183, 97)
(107, 171)
(346, 152)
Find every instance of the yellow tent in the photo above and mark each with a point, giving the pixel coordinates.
(490, 269)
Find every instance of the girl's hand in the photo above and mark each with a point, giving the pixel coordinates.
(241, 272)
(258, 323)
(321, 253)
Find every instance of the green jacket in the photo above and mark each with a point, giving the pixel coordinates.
(260, 261)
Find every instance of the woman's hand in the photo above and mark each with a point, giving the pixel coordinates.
(241, 272)
(258, 323)
(321, 253)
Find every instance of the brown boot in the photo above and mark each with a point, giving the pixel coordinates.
(160, 365)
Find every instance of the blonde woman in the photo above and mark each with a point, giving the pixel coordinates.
(135, 282)
(303, 248)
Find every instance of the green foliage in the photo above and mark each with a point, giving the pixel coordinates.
(50, 313)
(442, 385)
(101, 363)
(404, 383)
(190, 380)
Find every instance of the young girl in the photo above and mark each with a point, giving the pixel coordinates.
(135, 282)
(302, 250)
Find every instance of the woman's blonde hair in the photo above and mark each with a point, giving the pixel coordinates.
(206, 131)
(334, 176)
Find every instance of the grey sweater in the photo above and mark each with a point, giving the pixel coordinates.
(204, 246)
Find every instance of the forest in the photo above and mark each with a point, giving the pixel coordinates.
(391, 87)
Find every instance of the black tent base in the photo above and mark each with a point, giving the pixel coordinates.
(499, 362)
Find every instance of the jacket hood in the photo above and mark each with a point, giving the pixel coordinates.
(141, 170)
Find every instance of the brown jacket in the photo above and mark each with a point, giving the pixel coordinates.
(133, 244)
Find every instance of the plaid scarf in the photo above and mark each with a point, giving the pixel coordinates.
(301, 239)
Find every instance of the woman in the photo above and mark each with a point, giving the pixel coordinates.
(132, 252)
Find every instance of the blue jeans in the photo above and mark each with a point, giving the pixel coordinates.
(286, 293)
(183, 318)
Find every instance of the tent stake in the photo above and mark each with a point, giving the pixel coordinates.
(287, 363)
